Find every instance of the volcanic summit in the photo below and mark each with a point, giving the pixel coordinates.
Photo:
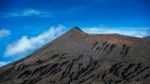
(77, 57)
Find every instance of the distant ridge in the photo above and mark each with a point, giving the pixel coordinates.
(77, 57)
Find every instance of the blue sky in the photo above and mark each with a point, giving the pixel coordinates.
(26, 25)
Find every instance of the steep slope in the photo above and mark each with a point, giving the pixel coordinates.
(80, 58)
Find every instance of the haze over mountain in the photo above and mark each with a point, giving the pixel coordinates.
(147, 37)
(77, 57)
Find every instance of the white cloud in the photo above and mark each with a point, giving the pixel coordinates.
(26, 43)
(130, 31)
(29, 12)
(4, 33)
(2, 63)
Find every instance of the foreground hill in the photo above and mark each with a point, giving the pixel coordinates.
(80, 58)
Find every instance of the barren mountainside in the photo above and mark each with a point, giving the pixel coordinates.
(77, 57)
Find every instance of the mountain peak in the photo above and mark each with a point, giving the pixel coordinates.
(75, 32)
(76, 28)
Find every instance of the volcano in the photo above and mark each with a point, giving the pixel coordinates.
(77, 57)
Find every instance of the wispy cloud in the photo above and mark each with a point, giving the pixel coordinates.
(26, 43)
(28, 13)
(2, 63)
(4, 33)
(130, 31)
